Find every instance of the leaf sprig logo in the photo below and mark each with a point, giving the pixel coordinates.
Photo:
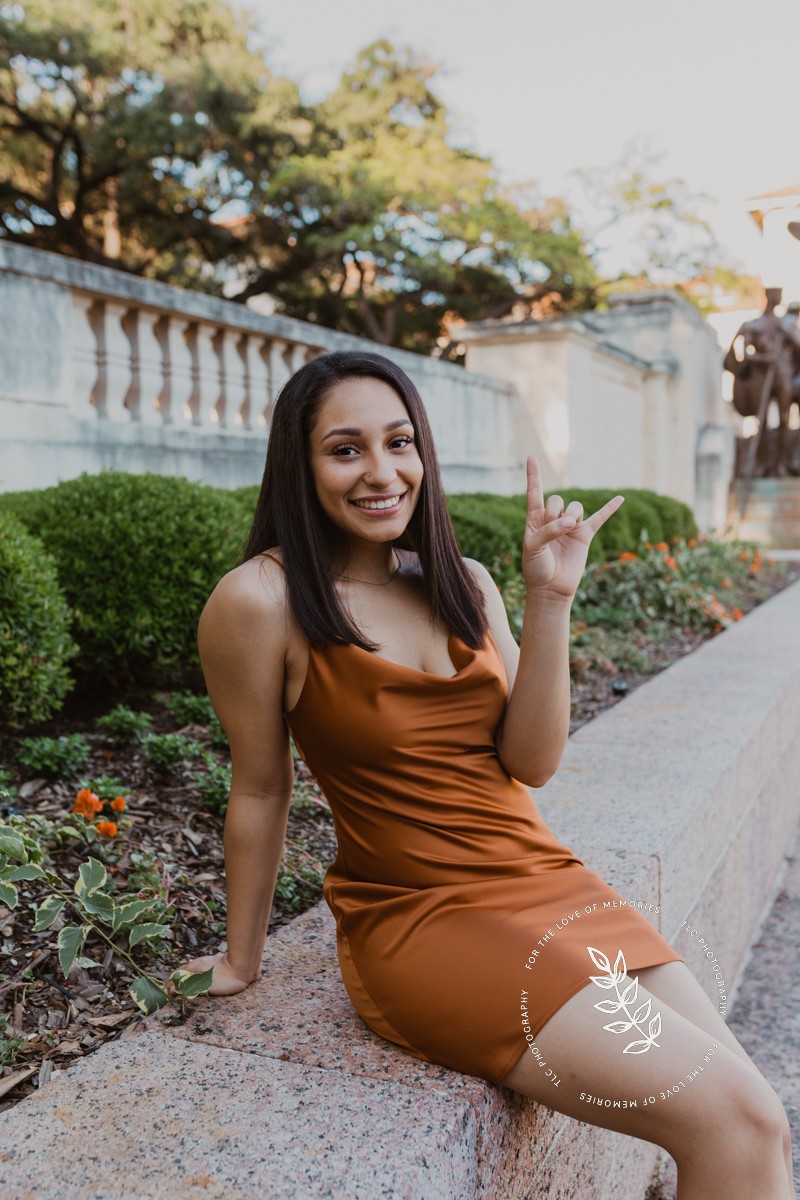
(613, 977)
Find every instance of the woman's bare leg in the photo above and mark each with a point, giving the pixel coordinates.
(724, 1125)
(676, 986)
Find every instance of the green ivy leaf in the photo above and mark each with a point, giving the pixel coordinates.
(91, 876)
(12, 844)
(86, 963)
(47, 912)
(9, 894)
(148, 995)
(28, 871)
(70, 944)
(140, 933)
(100, 905)
(126, 914)
(3, 861)
(192, 983)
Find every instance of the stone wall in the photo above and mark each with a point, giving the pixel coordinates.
(101, 368)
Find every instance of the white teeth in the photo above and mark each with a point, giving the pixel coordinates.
(390, 503)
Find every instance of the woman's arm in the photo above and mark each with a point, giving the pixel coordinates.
(243, 638)
(535, 727)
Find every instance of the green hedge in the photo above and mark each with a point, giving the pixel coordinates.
(137, 556)
(35, 644)
(490, 528)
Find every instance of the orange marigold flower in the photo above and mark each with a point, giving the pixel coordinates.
(119, 804)
(725, 582)
(107, 829)
(737, 614)
(670, 561)
(662, 546)
(744, 556)
(628, 556)
(675, 540)
(692, 542)
(87, 803)
(648, 545)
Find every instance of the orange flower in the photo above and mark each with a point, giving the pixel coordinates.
(87, 804)
(692, 542)
(627, 556)
(119, 804)
(670, 561)
(744, 556)
(107, 829)
(648, 545)
(662, 546)
(737, 614)
(675, 540)
(725, 582)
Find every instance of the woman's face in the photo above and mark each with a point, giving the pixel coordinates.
(364, 460)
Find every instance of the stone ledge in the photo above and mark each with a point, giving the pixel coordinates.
(684, 795)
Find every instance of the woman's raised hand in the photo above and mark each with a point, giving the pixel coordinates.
(225, 981)
(556, 540)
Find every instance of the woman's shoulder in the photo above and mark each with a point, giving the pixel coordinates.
(256, 589)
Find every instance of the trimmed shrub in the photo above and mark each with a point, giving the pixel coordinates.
(35, 645)
(53, 758)
(137, 556)
(124, 726)
(214, 785)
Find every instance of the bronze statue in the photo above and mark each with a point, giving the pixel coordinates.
(766, 372)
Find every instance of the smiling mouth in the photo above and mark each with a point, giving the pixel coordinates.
(384, 504)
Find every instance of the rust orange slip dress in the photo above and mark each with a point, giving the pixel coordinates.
(446, 877)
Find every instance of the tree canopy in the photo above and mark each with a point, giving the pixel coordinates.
(154, 137)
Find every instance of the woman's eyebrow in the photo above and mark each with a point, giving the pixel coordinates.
(353, 432)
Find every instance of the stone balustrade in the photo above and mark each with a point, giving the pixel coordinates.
(102, 368)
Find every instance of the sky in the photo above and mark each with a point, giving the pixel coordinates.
(544, 88)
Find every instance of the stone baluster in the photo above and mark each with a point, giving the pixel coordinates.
(279, 373)
(146, 366)
(260, 400)
(176, 388)
(233, 378)
(205, 374)
(297, 356)
(84, 364)
(118, 364)
(313, 352)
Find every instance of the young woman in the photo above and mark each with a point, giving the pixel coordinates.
(464, 927)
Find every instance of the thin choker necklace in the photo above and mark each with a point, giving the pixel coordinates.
(368, 583)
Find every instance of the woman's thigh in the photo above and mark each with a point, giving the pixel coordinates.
(689, 1085)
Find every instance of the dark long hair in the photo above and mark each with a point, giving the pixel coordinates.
(289, 514)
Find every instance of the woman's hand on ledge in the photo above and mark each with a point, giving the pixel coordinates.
(225, 981)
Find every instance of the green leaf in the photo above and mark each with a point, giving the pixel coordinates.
(28, 871)
(91, 876)
(126, 914)
(9, 894)
(86, 963)
(70, 944)
(192, 983)
(148, 995)
(100, 905)
(47, 912)
(11, 843)
(3, 861)
(140, 933)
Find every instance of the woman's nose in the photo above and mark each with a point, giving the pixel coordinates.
(380, 472)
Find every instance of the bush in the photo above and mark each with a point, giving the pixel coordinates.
(124, 725)
(214, 785)
(163, 752)
(53, 758)
(672, 584)
(35, 644)
(137, 556)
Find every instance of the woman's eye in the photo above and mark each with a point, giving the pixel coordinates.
(400, 443)
(345, 451)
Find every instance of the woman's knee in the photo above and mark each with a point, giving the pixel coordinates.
(753, 1117)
